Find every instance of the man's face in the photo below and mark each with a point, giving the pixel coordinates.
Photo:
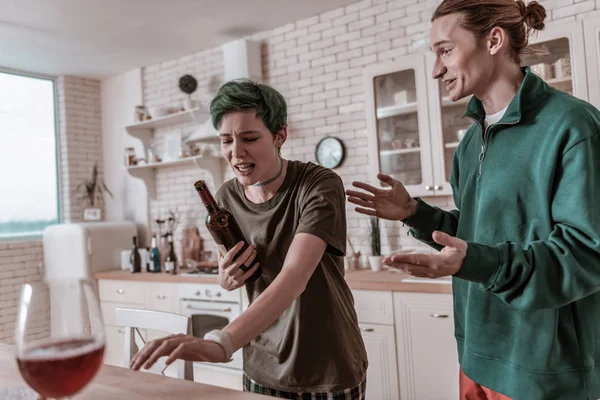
(461, 61)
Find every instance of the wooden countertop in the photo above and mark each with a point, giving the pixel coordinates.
(117, 383)
(364, 279)
(391, 281)
(121, 275)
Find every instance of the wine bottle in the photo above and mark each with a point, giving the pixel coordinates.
(171, 258)
(223, 227)
(154, 257)
(134, 259)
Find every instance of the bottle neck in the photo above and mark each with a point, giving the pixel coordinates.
(207, 199)
(153, 241)
(135, 242)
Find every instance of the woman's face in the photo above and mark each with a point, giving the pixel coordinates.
(461, 61)
(251, 150)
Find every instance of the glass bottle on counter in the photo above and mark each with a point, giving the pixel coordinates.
(171, 258)
(154, 257)
(135, 259)
(223, 227)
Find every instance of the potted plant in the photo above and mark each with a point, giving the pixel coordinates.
(375, 235)
(92, 196)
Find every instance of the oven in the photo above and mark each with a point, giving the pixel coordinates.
(211, 307)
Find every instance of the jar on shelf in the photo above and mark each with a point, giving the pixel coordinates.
(543, 70)
(562, 67)
(130, 156)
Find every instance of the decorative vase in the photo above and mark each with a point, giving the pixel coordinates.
(375, 263)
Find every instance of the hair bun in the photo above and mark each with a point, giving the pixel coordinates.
(533, 15)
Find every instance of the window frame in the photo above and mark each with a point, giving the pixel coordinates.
(28, 236)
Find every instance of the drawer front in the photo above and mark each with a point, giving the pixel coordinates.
(121, 291)
(162, 297)
(374, 307)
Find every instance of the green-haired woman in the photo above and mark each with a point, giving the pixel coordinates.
(300, 335)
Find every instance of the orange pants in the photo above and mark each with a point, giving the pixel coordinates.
(470, 390)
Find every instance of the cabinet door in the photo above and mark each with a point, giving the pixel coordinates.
(162, 297)
(591, 29)
(561, 61)
(447, 124)
(114, 353)
(398, 123)
(382, 374)
(427, 357)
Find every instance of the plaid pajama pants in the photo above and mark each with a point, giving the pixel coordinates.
(356, 393)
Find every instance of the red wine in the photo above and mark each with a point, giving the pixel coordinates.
(61, 367)
(223, 227)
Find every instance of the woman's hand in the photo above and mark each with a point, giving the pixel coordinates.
(394, 204)
(175, 347)
(231, 275)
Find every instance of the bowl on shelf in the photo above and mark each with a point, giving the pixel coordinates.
(158, 112)
(461, 133)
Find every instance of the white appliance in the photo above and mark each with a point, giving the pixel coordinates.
(79, 250)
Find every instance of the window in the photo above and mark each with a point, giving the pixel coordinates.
(28, 156)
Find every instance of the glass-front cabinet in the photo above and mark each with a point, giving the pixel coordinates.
(398, 123)
(591, 29)
(557, 54)
(414, 128)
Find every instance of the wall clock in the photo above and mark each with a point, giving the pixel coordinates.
(330, 152)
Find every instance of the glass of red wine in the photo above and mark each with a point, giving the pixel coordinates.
(59, 336)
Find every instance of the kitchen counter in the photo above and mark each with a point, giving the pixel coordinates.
(391, 281)
(121, 275)
(364, 279)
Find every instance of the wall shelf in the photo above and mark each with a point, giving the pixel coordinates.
(399, 151)
(452, 145)
(144, 131)
(397, 109)
(147, 172)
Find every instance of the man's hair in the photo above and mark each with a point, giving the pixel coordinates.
(480, 16)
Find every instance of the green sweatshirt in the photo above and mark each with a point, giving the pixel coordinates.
(527, 297)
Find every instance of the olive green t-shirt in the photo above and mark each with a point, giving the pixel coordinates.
(315, 345)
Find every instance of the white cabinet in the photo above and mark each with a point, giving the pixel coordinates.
(398, 123)
(592, 52)
(376, 321)
(414, 128)
(427, 356)
(382, 374)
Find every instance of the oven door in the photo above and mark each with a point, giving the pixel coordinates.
(209, 315)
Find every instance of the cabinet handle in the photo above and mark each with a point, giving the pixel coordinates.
(429, 188)
(120, 291)
(367, 329)
(437, 187)
(121, 330)
(161, 296)
(439, 315)
(207, 309)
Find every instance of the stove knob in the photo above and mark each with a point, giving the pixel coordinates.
(208, 293)
(218, 294)
(198, 293)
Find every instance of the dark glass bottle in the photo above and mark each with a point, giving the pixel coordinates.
(154, 257)
(223, 227)
(134, 258)
(171, 258)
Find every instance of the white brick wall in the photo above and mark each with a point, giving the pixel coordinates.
(80, 139)
(317, 64)
(19, 263)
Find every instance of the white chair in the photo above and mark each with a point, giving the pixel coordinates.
(133, 319)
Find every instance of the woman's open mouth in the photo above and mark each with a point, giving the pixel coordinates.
(245, 168)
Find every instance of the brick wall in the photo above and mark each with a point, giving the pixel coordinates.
(80, 140)
(317, 64)
(80, 146)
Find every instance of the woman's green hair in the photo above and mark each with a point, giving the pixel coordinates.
(245, 95)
